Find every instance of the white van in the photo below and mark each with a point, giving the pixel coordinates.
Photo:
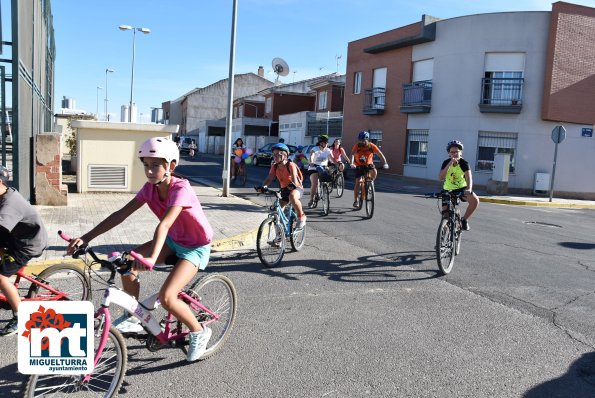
(185, 142)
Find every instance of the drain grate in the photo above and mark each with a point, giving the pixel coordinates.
(544, 224)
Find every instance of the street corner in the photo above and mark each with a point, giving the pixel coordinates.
(246, 240)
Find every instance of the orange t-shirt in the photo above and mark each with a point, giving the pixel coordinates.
(284, 175)
(364, 154)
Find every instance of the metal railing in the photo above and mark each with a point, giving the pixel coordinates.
(502, 91)
(374, 101)
(417, 93)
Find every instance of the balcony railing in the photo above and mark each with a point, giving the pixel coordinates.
(501, 95)
(374, 101)
(417, 97)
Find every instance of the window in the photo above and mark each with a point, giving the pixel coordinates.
(357, 82)
(379, 82)
(268, 106)
(322, 100)
(490, 143)
(417, 146)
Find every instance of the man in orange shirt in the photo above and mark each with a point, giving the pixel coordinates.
(362, 159)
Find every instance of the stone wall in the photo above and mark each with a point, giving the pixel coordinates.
(49, 189)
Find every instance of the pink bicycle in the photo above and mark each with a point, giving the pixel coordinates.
(212, 298)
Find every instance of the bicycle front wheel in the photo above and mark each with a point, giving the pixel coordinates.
(370, 193)
(340, 183)
(70, 282)
(105, 380)
(217, 293)
(445, 250)
(325, 196)
(270, 242)
(297, 238)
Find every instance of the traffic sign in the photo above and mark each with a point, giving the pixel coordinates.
(558, 134)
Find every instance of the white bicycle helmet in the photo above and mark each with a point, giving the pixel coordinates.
(160, 147)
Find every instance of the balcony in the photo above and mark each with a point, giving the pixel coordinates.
(501, 95)
(417, 97)
(374, 101)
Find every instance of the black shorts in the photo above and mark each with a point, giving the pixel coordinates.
(11, 263)
(455, 191)
(286, 191)
(361, 171)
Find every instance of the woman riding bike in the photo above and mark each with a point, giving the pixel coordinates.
(362, 160)
(237, 149)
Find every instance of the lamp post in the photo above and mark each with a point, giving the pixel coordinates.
(97, 103)
(107, 70)
(134, 29)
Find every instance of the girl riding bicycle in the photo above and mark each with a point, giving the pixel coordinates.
(22, 237)
(288, 175)
(183, 231)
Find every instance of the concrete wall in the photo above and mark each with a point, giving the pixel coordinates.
(114, 144)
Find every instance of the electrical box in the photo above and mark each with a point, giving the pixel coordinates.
(501, 167)
(542, 184)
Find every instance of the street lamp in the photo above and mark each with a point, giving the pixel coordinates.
(134, 29)
(97, 103)
(107, 70)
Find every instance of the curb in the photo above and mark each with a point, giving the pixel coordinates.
(537, 204)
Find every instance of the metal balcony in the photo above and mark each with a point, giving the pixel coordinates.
(501, 95)
(374, 101)
(417, 97)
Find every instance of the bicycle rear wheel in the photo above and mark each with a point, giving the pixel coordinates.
(325, 196)
(270, 242)
(445, 250)
(242, 175)
(370, 193)
(218, 294)
(68, 279)
(340, 184)
(297, 238)
(105, 380)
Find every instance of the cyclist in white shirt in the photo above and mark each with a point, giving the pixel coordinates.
(319, 159)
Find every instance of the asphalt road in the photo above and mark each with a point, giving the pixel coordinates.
(362, 311)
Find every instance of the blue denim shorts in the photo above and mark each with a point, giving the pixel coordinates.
(198, 256)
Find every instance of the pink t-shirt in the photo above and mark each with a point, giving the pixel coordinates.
(191, 228)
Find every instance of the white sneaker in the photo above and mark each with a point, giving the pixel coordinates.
(128, 324)
(197, 344)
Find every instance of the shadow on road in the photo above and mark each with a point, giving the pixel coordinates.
(577, 382)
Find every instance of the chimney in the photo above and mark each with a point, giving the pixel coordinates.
(260, 71)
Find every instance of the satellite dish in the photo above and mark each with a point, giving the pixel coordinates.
(280, 67)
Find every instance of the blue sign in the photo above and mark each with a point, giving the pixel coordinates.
(587, 132)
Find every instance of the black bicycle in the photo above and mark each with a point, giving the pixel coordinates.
(448, 237)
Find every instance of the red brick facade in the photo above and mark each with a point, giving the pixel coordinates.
(392, 122)
(569, 87)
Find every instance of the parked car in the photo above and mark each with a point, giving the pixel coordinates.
(185, 143)
(264, 156)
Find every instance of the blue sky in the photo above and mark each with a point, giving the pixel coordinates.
(189, 43)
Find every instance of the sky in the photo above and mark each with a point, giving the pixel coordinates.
(189, 43)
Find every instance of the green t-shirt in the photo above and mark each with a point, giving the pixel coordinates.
(455, 175)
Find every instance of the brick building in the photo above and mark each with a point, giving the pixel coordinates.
(499, 82)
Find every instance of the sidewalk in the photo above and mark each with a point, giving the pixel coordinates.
(234, 221)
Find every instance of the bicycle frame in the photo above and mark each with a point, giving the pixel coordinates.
(56, 294)
(278, 212)
(143, 312)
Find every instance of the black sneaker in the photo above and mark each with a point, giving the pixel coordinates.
(465, 225)
(10, 328)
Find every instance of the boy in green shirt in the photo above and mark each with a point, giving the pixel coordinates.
(456, 174)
